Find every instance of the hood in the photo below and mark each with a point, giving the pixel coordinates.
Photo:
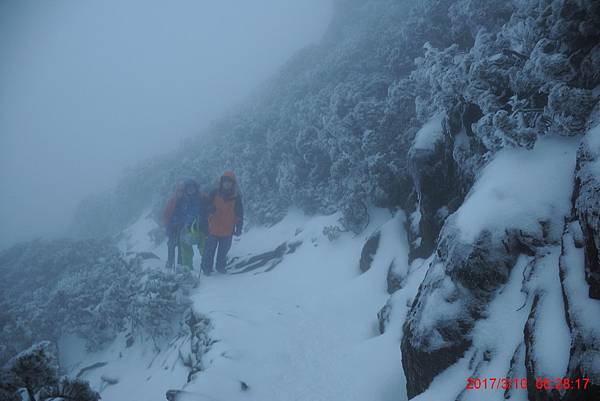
(228, 175)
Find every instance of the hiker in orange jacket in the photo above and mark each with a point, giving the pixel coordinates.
(225, 218)
(171, 228)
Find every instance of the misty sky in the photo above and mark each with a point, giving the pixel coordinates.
(90, 87)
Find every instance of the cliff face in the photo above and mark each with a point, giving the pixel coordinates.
(587, 204)
(515, 210)
(492, 187)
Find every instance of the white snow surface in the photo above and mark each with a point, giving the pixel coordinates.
(499, 335)
(551, 350)
(593, 139)
(583, 309)
(306, 330)
(520, 188)
(429, 134)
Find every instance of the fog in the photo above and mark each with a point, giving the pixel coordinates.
(88, 88)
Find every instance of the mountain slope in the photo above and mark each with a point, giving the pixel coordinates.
(305, 328)
(475, 122)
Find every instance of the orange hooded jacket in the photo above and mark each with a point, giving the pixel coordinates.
(226, 212)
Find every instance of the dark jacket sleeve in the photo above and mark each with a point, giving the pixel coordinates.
(239, 213)
(210, 202)
(167, 217)
(177, 216)
(203, 213)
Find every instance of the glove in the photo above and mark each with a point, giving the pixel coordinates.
(238, 231)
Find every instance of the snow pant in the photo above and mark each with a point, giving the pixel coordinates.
(172, 243)
(187, 240)
(221, 246)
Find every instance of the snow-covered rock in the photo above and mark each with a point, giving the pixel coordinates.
(516, 207)
(581, 313)
(587, 204)
(433, 171)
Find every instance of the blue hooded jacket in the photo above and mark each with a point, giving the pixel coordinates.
(190, 207)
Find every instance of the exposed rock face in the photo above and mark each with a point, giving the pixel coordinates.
(432, 169)
(442, 170)
(383, 316)
(368, 252)
(587, 205)
(535, 394)
(468, 272)
(394, 279)
(516, 370)
(582, 316)
(459, 285)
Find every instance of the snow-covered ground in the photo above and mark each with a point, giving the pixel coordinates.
(520, 188)
(306, 330)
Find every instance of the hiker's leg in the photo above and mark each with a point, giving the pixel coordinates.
(186, 251)
(224, 247)
(171, 243)
(209, 254)
(178, 245)
(201, 242)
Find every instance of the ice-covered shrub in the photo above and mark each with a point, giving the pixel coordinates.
(88, 288)
(36, 371)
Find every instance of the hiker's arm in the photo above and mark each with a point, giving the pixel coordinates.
(203, 215)
(239, 214)
(175, 219)
(210, 203)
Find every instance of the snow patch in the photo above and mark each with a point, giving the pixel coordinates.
(551, 351)
(430, 134)
(521, 188)
(497, 337)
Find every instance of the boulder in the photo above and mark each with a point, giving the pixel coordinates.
(461, 281)
(582, 314)
(368, 251)
(587, 205)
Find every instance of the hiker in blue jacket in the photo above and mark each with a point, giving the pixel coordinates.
(190, 215)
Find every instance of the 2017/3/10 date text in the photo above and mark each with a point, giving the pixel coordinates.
(541, 383)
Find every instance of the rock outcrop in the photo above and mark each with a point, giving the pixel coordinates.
(462, 280)
(587, 205)
(582, 316)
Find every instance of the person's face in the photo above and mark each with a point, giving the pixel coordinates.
(190, 190)
(227, 184)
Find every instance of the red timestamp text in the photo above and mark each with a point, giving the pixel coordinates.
(496, 383)
(562, 383)
(541, 383)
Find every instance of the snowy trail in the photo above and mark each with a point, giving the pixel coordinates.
(306, 331)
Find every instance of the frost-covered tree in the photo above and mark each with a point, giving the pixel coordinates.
(88, 288)
(69, 389)
(36, 371)
(34, 368)
(161, 296)
(332, 130)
